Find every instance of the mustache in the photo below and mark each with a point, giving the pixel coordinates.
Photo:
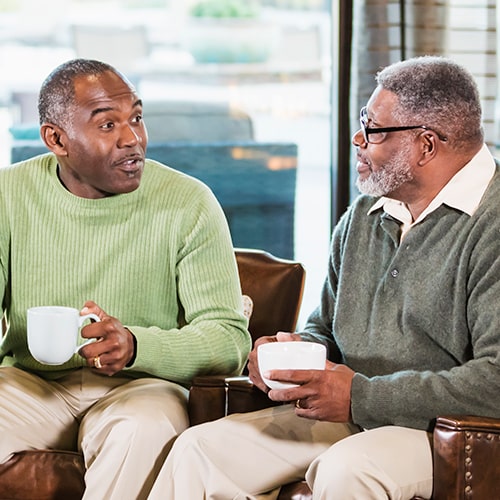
(363, 159)
(129, 157)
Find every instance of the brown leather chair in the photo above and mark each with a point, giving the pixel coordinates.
(466, 448)
(275, 287)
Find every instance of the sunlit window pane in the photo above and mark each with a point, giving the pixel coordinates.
(235, 93)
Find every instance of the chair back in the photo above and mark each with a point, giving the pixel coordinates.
(275, 286)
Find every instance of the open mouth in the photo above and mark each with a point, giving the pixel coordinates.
(130, 165)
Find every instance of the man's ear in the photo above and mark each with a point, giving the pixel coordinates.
(428, 147)
(54, 138)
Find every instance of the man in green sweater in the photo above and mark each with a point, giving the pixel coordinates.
(409, 311)
(95, 226)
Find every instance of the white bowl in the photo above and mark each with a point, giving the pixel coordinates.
(297, 355)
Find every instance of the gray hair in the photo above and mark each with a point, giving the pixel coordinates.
(439, 93)
(56, 100)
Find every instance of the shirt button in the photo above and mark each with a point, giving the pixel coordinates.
(394, 273)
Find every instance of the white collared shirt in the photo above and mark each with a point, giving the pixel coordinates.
(463, 191)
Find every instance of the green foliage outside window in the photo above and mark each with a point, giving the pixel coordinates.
(225, 9)
(9, 5)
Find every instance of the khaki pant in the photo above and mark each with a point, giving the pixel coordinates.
(247, 456)
(124, 427)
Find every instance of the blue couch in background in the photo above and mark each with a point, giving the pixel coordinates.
(214, 142)
(254, 182)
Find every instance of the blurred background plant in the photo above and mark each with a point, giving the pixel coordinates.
(229, 31)
(246, 9)
(9, 5)
(298, 4)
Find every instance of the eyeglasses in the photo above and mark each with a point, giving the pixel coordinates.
(377, 135)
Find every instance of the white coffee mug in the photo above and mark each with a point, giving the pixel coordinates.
(54, 333)
(297, 355)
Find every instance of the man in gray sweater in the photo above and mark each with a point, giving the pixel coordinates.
(409, 312)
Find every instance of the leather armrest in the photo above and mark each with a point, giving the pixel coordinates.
(466, 457)
(213, 397)
(243, 396)
(207, 399)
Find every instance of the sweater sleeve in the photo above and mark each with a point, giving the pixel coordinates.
(212, 337)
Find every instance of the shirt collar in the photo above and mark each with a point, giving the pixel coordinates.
(463, 191)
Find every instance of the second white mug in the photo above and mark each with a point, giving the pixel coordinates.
(294, 355)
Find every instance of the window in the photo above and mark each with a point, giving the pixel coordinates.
(247, 110)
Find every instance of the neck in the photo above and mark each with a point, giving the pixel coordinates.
(430, 179)
(60, 178)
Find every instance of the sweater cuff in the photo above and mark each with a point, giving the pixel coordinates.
(134, 355)
(358, 399)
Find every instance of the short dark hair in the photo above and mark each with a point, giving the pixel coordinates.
(56, 100)
(439, 93)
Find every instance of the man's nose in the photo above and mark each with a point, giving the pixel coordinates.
(358, 138)
(128, 137)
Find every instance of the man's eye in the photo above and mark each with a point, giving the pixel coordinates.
(377, 137)
(138, 119)
(107, 125)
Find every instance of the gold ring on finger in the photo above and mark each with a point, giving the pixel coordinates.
(97, 362)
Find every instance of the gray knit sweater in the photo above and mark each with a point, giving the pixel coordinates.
(419, 321)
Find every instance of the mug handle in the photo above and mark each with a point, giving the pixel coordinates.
(80, 323)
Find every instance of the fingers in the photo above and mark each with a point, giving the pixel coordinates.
(105, 357)
(263, 340)
(253, 364)
(288, 337)
(112, 351)
(330, 365)
(92, 307)
(254, 373)
(100, 363)
(257, 380)
(97, 362)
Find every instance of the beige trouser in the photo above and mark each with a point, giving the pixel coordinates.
(247, 456)
(125, 427)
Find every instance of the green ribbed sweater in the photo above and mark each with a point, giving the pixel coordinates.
(419, 321)
(160, 259)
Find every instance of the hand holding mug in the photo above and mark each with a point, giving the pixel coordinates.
(116, 346)
(253, 362)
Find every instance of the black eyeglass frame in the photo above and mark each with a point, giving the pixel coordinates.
(363, 120)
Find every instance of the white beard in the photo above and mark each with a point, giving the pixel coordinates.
(390, 176)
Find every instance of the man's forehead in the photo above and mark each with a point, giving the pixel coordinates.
(103, 89)
(381, 102)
